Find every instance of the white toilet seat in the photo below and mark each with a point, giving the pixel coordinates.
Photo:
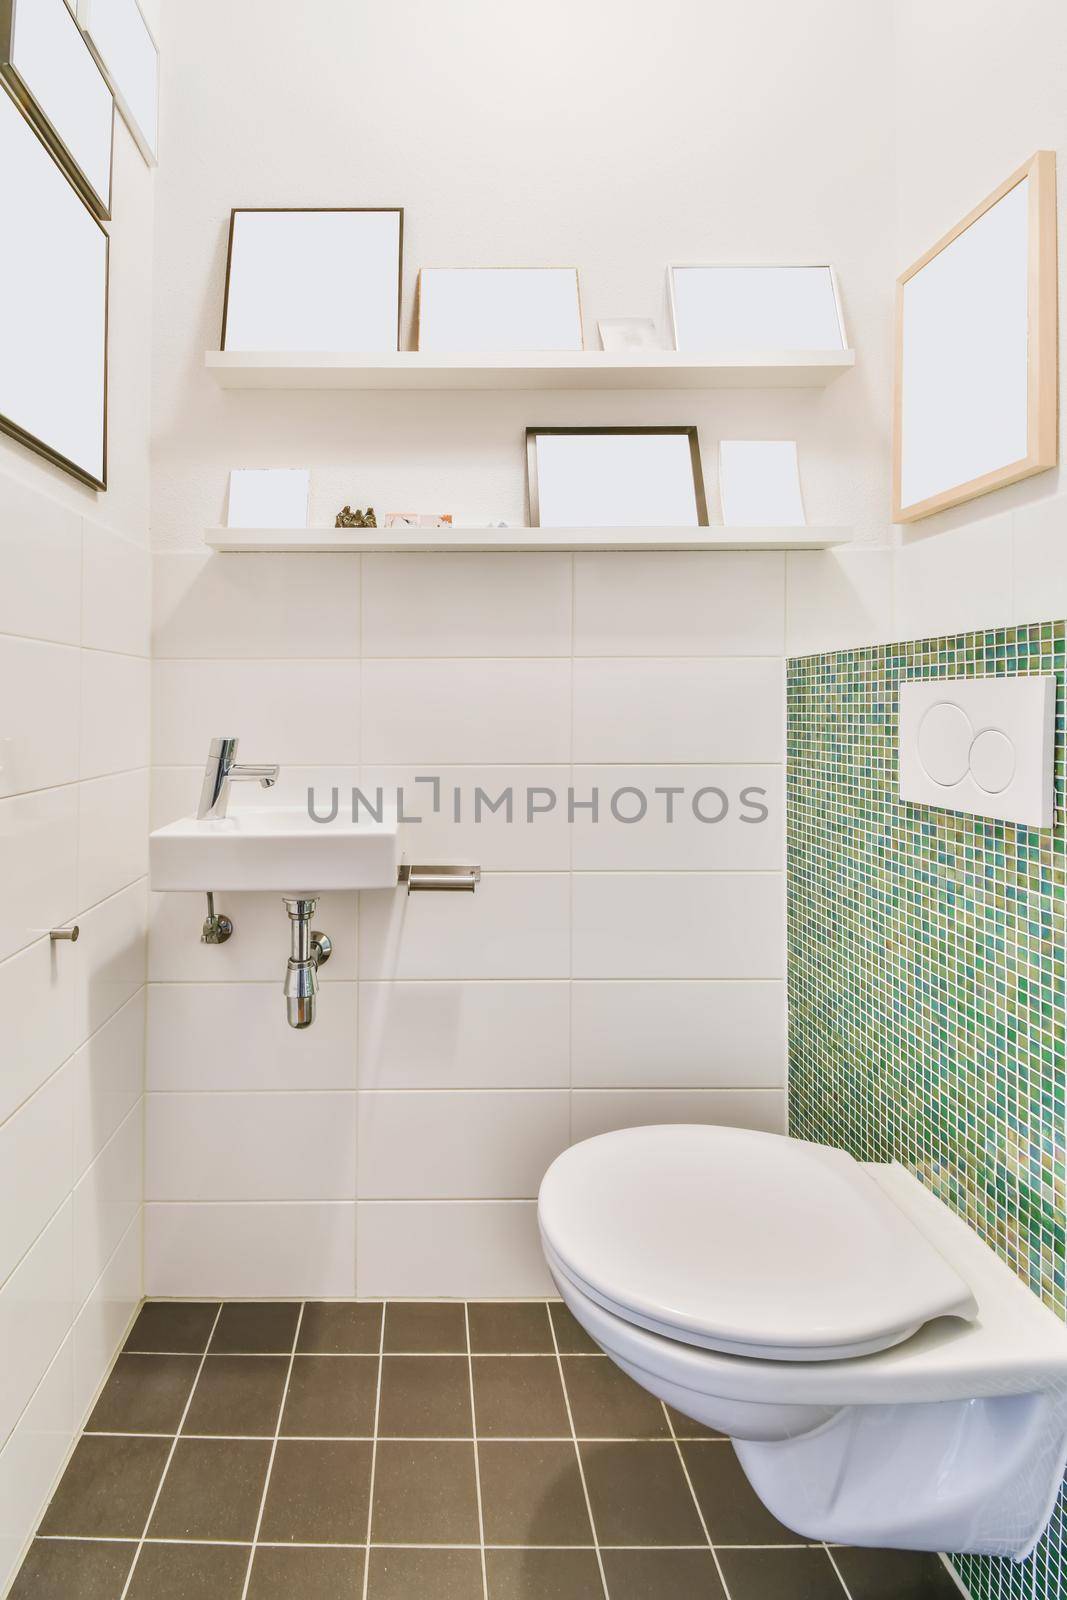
(743, 1242)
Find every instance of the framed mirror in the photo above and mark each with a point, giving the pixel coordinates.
(53, 288)
(50, 71)
(615, 478)
(975, 392)
(498, 309)
(314, 279)
(122, 43)
(755, 308)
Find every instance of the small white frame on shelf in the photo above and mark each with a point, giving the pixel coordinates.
(755, 308)
(268, 497)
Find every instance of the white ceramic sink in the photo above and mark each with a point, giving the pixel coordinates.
(274, 847)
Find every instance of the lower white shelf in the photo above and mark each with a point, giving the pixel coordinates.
(322, 541)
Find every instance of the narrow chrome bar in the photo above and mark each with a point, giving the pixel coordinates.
(438, 877)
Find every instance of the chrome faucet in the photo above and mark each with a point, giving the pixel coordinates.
(222, 770)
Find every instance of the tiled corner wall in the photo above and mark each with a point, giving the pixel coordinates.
(926, 975)
(602, 974)
(74, 682)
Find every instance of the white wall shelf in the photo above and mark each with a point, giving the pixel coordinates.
(580, 369)
(437, 540)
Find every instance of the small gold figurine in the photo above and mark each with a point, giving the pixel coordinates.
(347, 518)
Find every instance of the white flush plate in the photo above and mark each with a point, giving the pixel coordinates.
(983, 745)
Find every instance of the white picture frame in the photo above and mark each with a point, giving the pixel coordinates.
(54, 288)
(495, 310)
(759, 483)
(754, 308)
(50, 71)
(314, 279)
(268, 497)
(128, 56)
(616, 477)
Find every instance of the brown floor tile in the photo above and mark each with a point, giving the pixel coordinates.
(189, 1572)
(780, 1574)
(255, 1327)
(436, 1327)
(425, 1397)
(532, 1494)
(639, 1494)
(895, 1575)
(174, 1326)
(442, 1574)
(606, 1404)
(662, 1575)
(424, 1493)
(68, 1569)
(319, 1492)
(144, 1394)
(543, 1575)
(331, 1395)
(340, 1328)
(307, 1574)
(238, 1395)
(685, 1428)
(108, 1488)
(503, 1328)
(212, 1490)
(732, 1509)
(518, 1397)
(570, 1335)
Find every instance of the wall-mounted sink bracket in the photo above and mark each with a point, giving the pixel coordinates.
(438, 877)
(217, 928)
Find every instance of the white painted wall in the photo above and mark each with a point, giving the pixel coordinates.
(600, 975)
(74, 695)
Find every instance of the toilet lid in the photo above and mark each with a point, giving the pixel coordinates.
(745, 1242)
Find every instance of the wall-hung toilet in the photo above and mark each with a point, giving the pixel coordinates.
(886, 1380)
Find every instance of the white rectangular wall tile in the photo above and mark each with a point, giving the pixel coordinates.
(299, 713)
(262, 947)
(603, 1110)
(106, 1200)
(31, 1460)
(38, 997)
(679, 925)
(951, 580)
(240, 1146)
(114, 729)
(112, 834)
(107, 1079)
(109, 957)
(663, 711)
(211, 606)
(466, 605)
(515, 925)
(104, 1318)
(462, 1146)
(40, 695)
(463, 1035)
(220, 1036)
(1039, 559)
(694, 1034)
(38, 864)
(116, 592)
(251, 1251)
(838, 600)
(35, 1316)
(511, 819)
(40, 565)
(713, 818)
(466, 711)
(450, 1250)
(700, 603)
(36, 1166)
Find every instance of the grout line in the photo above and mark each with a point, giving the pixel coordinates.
(696, 1502)
(305, 1544)
(477, 1463)
(578, 1457)
(273, 1452)
(170, 1458)
(837, 1569)
(374, 1452)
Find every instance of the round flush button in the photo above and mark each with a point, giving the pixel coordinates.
(992, 760)
(945, 738)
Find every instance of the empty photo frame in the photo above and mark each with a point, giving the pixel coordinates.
(270, 497)
(498, 309)
(615, 478)
(975, 394)
(754, 309)
(49, 69)
(122, 43)
(314, 279)
(759, 483)
(53, 288)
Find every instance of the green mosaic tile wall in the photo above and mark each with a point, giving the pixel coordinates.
(926, 977)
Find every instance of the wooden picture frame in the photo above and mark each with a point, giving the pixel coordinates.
(1030, 438)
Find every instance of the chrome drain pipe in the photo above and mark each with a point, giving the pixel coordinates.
(307, 951)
